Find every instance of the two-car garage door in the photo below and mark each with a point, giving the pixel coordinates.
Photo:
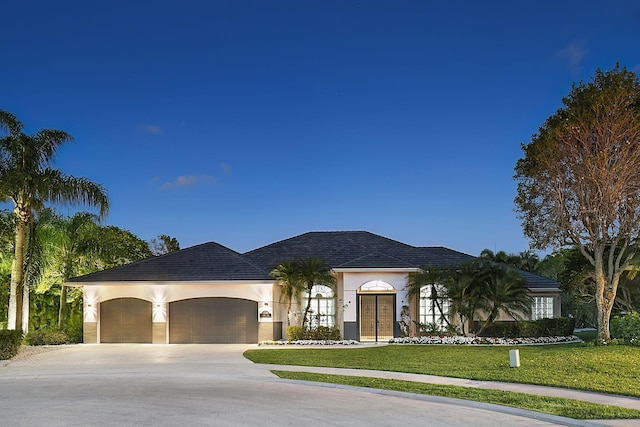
(199, 320)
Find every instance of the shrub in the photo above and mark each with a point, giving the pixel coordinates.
(321, 333)
(556, 327)
(501, 330)
(295, 333)
(9, 343)
(47, 336)
(74, 334)
(626, 328)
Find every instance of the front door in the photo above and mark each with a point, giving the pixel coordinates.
(376, 317)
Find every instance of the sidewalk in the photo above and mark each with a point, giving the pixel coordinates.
(587, 396)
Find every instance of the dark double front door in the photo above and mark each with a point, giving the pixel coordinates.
(376, 317)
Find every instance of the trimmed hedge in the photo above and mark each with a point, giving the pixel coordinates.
(556, 327)
(10, 342)
(48, 336)
(321, 333)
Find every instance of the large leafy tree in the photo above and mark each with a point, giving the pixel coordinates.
(164, 244)
(29, 181)
(579, 181)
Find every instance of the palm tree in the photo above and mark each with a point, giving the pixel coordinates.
(434, 278)
(313, 271)
(291, 288)
(73, 239)
(504, 290)
(463, 292)
(29, 182)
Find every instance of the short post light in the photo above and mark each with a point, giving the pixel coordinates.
(514, 358)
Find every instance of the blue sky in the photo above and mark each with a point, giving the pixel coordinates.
(246, 122)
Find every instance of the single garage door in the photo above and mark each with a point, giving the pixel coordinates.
(126, 320)
(213, 321)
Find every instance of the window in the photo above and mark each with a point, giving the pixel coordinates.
(542, 308)
(433, 311)
(323, 307)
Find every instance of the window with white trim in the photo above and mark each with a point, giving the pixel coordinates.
(434, 310)
(542, 308)
(323, 307)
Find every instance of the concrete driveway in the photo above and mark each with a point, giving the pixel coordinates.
(171, 385)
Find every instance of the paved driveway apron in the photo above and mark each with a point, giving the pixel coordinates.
(172, 385)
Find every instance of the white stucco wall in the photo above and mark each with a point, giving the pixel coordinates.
(353, 280)
(160, 294)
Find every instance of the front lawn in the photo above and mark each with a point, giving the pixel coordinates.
(550, 405)
(607, 369)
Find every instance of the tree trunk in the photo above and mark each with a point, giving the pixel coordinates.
(25, 308)
(63, 307)
(604, 303)
(306, 310)
(14, 319)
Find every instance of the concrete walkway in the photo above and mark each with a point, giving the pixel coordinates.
(605, 399)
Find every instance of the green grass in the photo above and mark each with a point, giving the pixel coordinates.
(607, 369)
(550, 405)
(587, 336)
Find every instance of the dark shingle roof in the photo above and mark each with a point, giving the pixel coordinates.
(208, 261)
(340, 249)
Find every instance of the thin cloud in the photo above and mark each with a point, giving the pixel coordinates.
(226, 168)
(186, 181)
(153, 129)
(573, 54)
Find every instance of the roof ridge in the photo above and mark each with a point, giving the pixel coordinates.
(378, 253)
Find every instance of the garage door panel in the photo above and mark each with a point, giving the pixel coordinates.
(213, 321)
(126, 320)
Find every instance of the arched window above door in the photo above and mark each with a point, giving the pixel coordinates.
(377, 286)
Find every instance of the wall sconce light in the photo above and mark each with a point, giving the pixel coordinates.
(88, 305)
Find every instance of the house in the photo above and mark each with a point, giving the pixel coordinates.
(211, 294)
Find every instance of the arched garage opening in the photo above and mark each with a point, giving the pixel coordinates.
(213, 321)
(126, 320)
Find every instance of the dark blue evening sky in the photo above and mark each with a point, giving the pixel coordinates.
(246, 122)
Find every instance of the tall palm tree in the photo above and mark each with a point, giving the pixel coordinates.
(313, 271)
(29, 182)
(287, 276)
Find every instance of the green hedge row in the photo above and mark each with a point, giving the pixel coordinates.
(10, 342)
(321, 333)
(556, 327)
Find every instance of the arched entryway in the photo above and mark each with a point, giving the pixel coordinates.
(376, 305)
